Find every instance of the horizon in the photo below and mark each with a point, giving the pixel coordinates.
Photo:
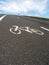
(25, 7)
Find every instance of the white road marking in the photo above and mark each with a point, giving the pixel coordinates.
(45, 28)
(2, 17)
(18, 30)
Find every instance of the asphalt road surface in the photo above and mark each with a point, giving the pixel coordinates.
(23, 41)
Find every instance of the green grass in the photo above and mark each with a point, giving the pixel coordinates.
(46, 19)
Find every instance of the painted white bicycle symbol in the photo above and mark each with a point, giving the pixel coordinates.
(18, 30)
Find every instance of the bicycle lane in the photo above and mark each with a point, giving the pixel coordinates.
(25, 48)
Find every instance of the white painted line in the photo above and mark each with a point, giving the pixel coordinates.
(2, 17)
(44, 28)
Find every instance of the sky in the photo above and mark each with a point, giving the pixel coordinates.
(38, 8)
